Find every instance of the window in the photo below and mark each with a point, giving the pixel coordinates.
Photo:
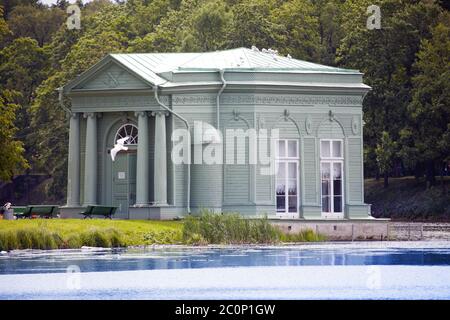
(287, 176)
(331, 173)
(128, 130)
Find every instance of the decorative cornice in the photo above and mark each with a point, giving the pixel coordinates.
(259, 99)
(125, 101)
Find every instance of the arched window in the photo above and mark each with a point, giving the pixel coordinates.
(128, 130)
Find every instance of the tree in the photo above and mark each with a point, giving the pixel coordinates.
(209, 28)
(23, 66)
(8, 5)
(430, 105)
(384, 151)
(329, 16)
(253, 24)
(386, 57)
(147, 15)
(35, 22)
(170, 35)
(4, 30)
(11, 150)
(98, 37)
(300, 36)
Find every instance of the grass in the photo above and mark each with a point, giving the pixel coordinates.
(208, 228)
(74, 233)
(407, 198)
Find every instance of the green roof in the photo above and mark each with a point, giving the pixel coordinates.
(236, 59)
(162, 68)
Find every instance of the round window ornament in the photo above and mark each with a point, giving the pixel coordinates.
(308, 125)
(127, 130)
(355, 125)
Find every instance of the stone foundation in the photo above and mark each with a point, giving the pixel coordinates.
(376, 229)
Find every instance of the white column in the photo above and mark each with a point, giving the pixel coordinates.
(160, 171)
(90, 164)
(73, 167)
(143, 161)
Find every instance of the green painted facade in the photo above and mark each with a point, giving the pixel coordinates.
(304, 101)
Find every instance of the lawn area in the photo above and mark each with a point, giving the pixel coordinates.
(208, 228)
(407, 198)
(74, 233)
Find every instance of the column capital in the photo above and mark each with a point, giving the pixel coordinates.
(92, 115)
(160, 113)
(141, 113)
(74, 115)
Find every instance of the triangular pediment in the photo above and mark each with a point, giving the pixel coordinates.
(111, 76)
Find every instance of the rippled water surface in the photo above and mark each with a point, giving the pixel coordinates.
(394, 270)
(95, 260)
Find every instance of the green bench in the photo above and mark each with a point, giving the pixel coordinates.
(18, 210)
(42, 211)
(104, 211)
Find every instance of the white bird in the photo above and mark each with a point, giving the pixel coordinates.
(118, 147)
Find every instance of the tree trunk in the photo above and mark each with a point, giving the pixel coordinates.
(430, 173)
(442, 172)
(386, 179)
(418, 170)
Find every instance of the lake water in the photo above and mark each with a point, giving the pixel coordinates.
(378, 270)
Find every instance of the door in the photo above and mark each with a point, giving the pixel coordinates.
(287, 179)
(331, 173)
(124, 182)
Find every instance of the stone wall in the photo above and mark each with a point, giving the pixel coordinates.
(381, 230)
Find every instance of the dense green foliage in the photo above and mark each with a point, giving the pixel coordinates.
(11, 154)
(210, 228)
(407, 199)
(406, 62)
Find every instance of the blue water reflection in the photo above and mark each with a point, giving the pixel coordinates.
(182, 258)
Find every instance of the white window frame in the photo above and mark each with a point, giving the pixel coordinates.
(332, 160)
(116, 137)
(287, 159)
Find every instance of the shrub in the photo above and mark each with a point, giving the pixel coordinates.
(8, 241)
(32, 238)
(73, 242)
(231, 228)
(104, 238)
